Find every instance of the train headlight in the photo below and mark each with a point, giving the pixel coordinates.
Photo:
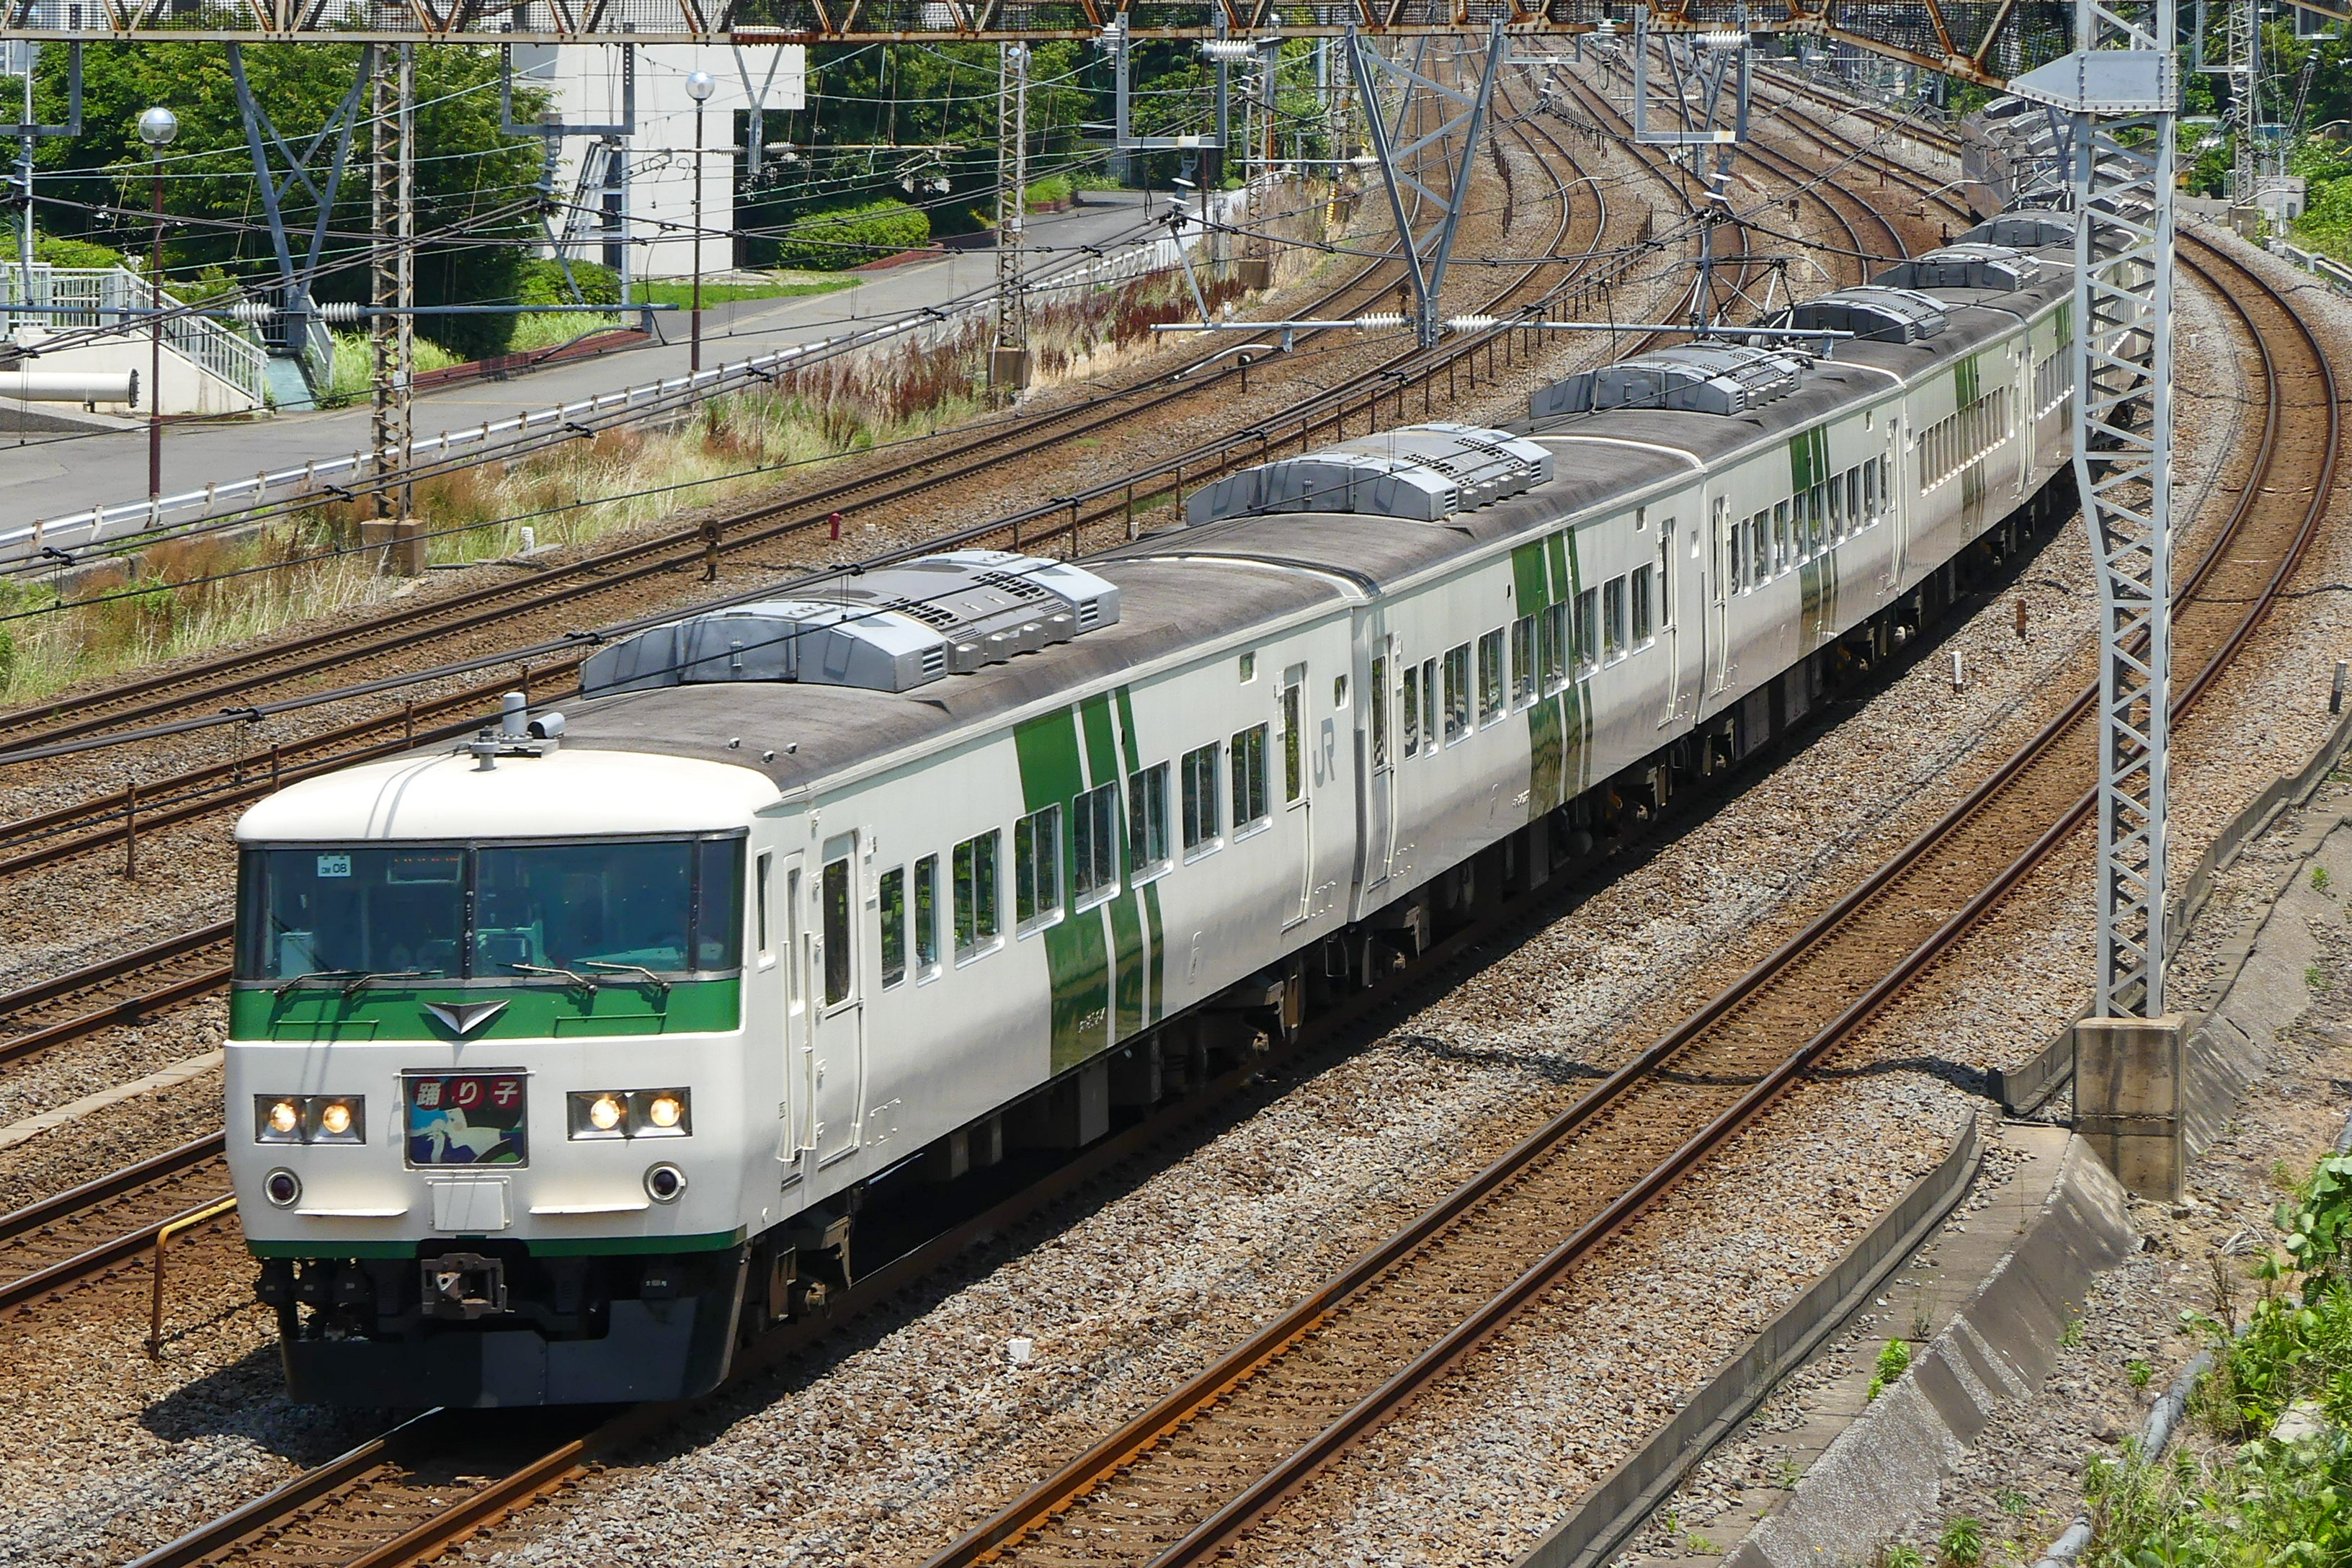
(310, 1119)
(630, 1113)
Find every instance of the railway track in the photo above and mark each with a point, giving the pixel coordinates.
(76, 1237)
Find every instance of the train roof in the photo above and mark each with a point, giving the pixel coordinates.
(1202, 585)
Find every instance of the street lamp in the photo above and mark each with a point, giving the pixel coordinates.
(698, 87)
(157, 126)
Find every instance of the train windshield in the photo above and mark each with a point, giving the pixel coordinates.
(491, 910)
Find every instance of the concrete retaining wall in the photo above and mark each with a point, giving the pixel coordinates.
(1616, 1509)
(1884, 1471)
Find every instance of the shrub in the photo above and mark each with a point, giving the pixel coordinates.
(539, 281)
(59, 251)
(829, 241)
(1052, 188)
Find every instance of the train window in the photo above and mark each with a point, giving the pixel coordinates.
(1037, 870)
(1817, 511)
(927, 915)
(1552, 640)
(1490, 677)
(892, 900)
(1457, 692)
(1523, 661)
(1147, 822)
(1200, 774)
(1093, 846)
(718, 903)
(1641, 614)
(1378, 720)
(1613, 619)
(1588, 631)
(1294, 742)
(767, 948)
(1409, 709)
(1781, 550)
(1248, 764)
(1339, 691)
(835, 891)
(1248, 667)
(1428, 706)
(543, 907)
(1837, 508)
(975, 895)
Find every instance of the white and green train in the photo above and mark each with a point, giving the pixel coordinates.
(565, 1060)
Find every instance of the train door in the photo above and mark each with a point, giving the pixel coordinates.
(1717, 656)
(775, 928)
(1380, 770)
(1297, 817)
(836, 1072)
(1669, 621)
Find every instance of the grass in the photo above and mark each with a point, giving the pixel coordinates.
(786, 286)
(354, 371)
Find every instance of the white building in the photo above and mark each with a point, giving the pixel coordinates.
(587, 87)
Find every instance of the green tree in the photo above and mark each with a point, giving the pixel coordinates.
(475, 187)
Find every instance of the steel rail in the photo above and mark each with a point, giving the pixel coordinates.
(51, 1212)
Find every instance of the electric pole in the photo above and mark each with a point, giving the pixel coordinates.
(392, 200)
(1008, 359)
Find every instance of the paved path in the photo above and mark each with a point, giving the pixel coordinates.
(49, 477)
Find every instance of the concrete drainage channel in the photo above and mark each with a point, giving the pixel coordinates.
(2008, 1277)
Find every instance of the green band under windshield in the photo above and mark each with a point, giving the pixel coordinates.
(391, 1011)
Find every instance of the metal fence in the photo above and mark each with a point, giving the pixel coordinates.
(66, 298)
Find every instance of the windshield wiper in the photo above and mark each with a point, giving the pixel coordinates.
(582, 981)
(655, 981)
(360, 982)
(296, 983)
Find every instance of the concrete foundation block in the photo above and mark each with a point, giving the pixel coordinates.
(2130, 1086)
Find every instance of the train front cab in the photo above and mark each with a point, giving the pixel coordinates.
(482, 1106)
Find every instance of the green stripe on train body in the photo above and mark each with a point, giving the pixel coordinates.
(1126, 928)
(1155, 999)
(1559, 727)
(1808, 465)
(1076, 963)
(533, 1012)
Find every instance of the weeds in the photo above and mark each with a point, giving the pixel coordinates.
(2320, 879)
(1894, 1360)
(2139, 1372)
(2314, 977)
(1901, 1554)
(2071, 1336)
(1962, 1543)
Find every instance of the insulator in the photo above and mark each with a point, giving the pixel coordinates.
(1379, 320)
(342, 312)
(1227, 51)
(1471, 324)
(1724, 38)
(253, 312)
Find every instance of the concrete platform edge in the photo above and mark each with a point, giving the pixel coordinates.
(1884, 1470)
(1616, 1508)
